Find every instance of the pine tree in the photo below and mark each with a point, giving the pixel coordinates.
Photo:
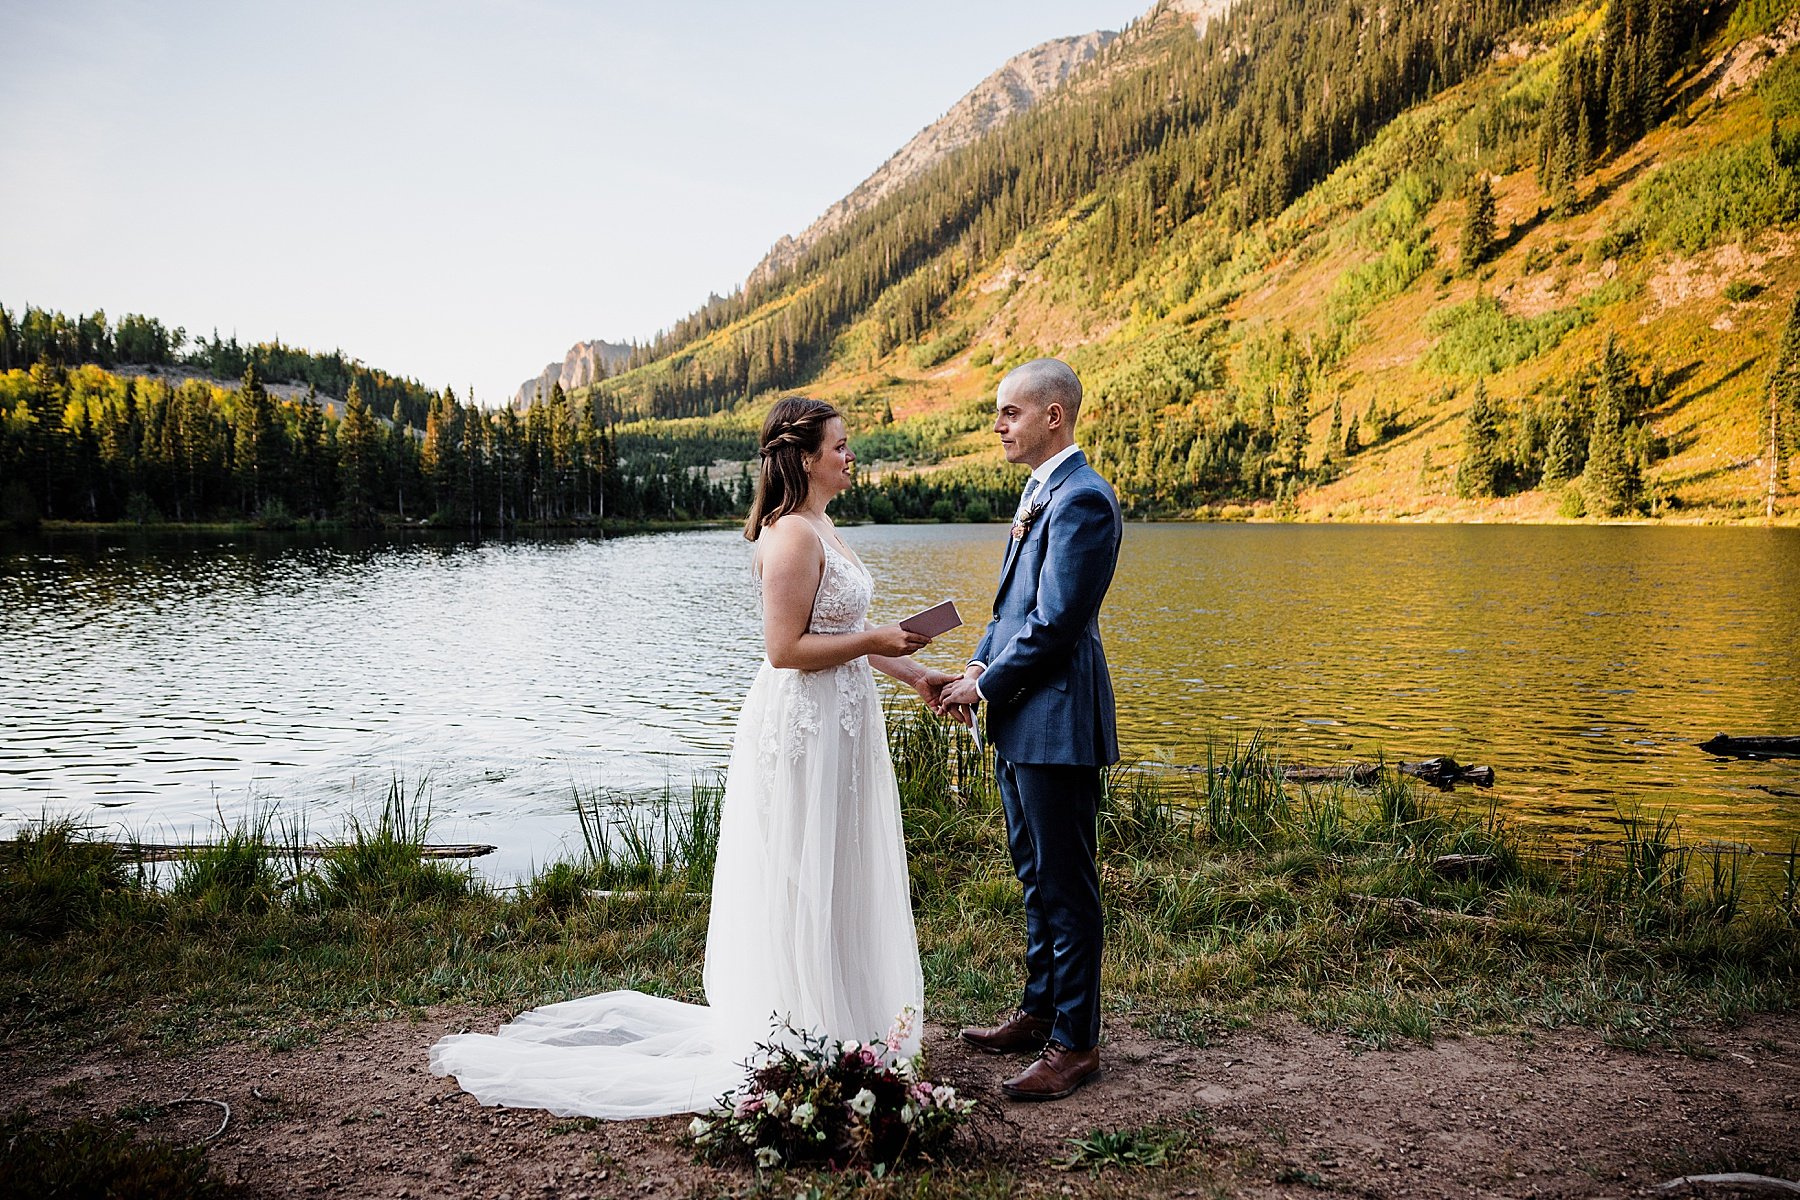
(1480, 224)
(1784, 398)
(1562, 461)
(1611, 481)
(254, 457)
(359, 459)
(1479, 473)
(1352, 437)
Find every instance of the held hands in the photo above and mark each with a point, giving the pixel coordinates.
(957, 699)
(962, 691)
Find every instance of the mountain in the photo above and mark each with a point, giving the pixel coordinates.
(584, 364)
(1476, 260)
(1020, 83)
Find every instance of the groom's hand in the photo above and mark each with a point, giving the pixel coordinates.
(930, 686)
(962, 692)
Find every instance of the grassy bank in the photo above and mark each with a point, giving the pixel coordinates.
(1384, 914)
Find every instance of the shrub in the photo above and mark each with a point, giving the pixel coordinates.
(233, 875)
(944, 510)
(881, 509)
(1729, 192)
(1479, 337)
(91, 1159)
(1740, 290)
(52, 879)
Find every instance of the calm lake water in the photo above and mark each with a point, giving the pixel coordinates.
(157, 684)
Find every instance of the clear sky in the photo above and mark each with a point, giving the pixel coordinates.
(455, 191)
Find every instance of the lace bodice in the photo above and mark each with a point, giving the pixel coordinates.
(842, 600)
(844, 593)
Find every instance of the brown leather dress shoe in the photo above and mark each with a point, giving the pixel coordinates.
(1019, 1032)
(1057, 1072)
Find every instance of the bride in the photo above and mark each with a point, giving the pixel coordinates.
(811, 923)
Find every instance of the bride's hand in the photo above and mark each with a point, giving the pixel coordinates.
(930, 686)
(891, 641)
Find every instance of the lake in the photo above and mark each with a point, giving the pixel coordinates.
(159, 684)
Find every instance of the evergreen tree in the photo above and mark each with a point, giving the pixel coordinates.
(1352, 437)
(359, 460)
(255, 457)
(1479, 474)
(1611, 479)
(1562, 452)
(1480, 230)
(1784, 387)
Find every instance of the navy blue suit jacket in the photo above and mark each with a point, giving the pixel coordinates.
(1049, 696)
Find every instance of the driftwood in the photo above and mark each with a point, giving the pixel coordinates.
(1727, 746)
(1441, 772)
(1406, 907)
(173, 851)
(1461, 866)
(1360, 774)
(1445, 773)
(1733, 1179)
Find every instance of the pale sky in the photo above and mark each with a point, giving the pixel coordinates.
(455, 191)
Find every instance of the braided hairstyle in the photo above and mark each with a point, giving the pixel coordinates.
(795, 428)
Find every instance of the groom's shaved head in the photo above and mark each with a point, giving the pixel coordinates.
(1043, 382)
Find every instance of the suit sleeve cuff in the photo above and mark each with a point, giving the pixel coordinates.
(976, 662)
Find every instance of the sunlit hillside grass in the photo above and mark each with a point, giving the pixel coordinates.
(1357, 286)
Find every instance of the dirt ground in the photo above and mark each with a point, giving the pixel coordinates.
(1277, 1111)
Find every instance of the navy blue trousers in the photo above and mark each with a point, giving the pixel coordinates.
(1052, 816)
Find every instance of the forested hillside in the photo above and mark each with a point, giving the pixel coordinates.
(1485, 259)
(104, 422)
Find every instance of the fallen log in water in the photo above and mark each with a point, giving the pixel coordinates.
(1442, 772)
(1727, 746)
(1445, 773)
(172, 851)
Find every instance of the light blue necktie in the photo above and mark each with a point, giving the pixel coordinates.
(1031, 487)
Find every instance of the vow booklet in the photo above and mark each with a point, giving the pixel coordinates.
(938, 619)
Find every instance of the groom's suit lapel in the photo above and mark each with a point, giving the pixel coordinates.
(1041, 502)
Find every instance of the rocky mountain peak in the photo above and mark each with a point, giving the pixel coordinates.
(585, 363)
(1021, 82)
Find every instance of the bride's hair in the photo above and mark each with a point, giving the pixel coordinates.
(794, 429)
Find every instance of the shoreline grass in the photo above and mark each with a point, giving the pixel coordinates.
(1231, 897)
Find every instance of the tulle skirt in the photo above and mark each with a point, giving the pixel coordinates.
(811, 926)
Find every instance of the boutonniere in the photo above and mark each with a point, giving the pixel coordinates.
(1022, 524)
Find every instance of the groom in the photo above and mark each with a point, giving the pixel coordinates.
(1042, 671)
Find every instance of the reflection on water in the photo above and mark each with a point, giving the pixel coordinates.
(168, 680)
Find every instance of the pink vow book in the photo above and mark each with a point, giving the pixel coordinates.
(938, 619)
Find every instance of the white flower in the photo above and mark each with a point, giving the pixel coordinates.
(943, 1096)
(901, 1029)
(773, 1104)
(863, 1103)
(803, 1114)
(852, 1046)
(908, 1111)
(906, 1069)
(699, 1127)
(768, 1156)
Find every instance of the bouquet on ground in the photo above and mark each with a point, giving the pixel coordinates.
(809, 1098)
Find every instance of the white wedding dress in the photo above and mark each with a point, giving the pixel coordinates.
(811, 918)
